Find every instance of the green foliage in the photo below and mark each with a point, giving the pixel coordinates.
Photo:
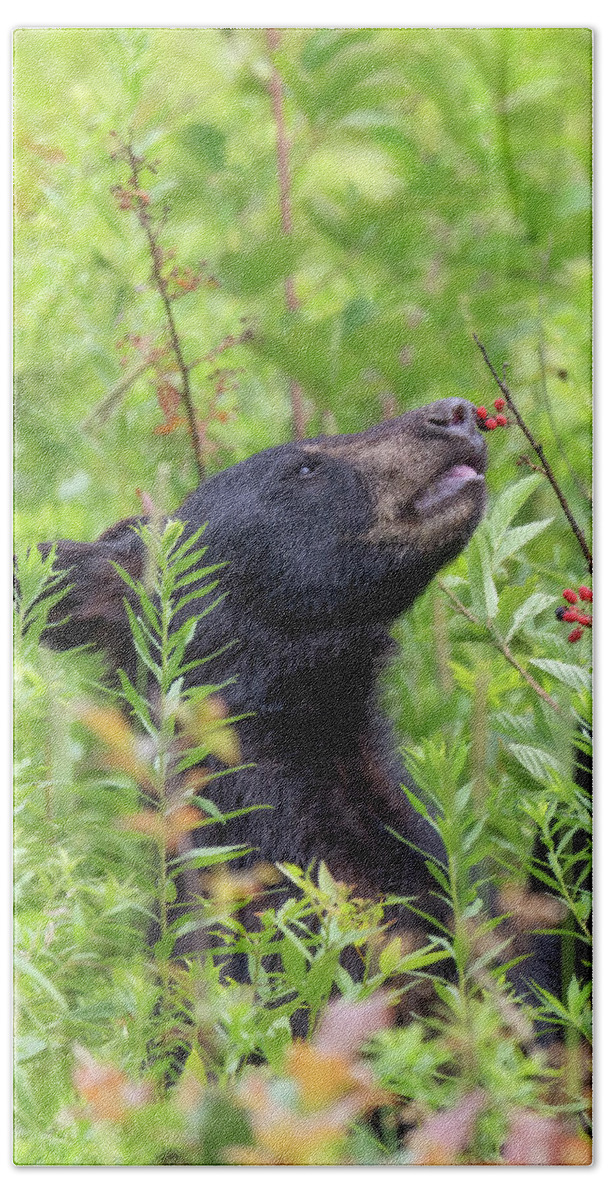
(38, 590)
(440, 186)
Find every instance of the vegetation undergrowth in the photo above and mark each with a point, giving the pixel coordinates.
(108, 1015)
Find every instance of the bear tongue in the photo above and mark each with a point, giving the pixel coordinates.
(445, 487)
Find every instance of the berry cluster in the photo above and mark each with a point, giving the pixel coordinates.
(572, 614)
(486, 422)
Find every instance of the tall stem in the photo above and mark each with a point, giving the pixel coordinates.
(461, 943)
(163, 743)
(156, 256)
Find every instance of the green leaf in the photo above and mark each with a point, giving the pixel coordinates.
(422, 958)
(40, 588)
(438, 874)
(295, 958)
(182, 636)
(320, 976)
(537, 603)
(27, 968)
(568, 673)
(138, 703)
(508, 505)
(182, 581)
(514, 539)
(209, 856)
(538, 763)
(28, 1047)
(124, 575)
(139, 635)
(359, 311)
(196, 595)
(190, 542)
(484, 597)
(181, 565)
(323, 44)
(326, 882)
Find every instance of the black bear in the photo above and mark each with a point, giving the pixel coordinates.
(326, 542)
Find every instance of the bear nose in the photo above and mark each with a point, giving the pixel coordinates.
(453, 415)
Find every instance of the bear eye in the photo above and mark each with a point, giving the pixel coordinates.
(306, 469)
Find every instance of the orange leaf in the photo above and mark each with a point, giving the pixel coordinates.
(125, 750)
(226, 886)
(321, 1077)
(302, 1141)
(169, 828)
(51, 154)
(205, 723)
(109, 1093)
(146, 822)
(531, 909)
(169, 426)
(285, 1136)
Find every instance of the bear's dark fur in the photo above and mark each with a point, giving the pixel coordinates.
(326, 542)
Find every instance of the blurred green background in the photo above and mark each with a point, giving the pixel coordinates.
(440, 185)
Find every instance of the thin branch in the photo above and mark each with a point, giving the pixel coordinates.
(105, 408)
(538, 450)
(524, 460)
(156, 256)
(275, 87)
(504, 649)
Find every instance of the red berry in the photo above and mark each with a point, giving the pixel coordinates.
(491, 423)
(584, 619)
(501, 420)
(499, 404)
(585, 593)
(570, 596)
(575, 635)
(570, 615)
(482, 412)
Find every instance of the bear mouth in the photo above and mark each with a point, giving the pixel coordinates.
(445, 488)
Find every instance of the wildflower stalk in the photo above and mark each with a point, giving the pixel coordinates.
(565, 888)
(165, 735)
(174, 576)
(156, 257)
(138, 200)
(461, 951)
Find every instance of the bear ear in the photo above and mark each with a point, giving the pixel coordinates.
(92, 610)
